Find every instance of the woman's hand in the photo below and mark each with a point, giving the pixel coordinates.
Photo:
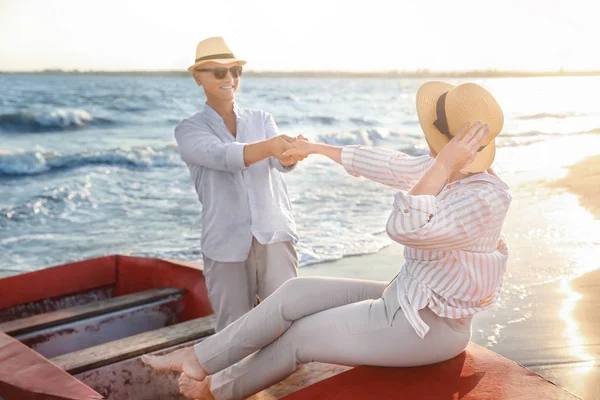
(461, 151)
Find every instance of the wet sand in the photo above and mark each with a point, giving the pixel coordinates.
(583, 294)
(584, 181)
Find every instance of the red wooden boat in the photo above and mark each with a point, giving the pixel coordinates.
(77, 331)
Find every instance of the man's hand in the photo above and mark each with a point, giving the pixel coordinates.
(279, 144)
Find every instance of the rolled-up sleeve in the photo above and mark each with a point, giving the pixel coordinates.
(423, 221)
(389, 167)
(272, 131)
(348, 153)
(198, 146)
(415, 211)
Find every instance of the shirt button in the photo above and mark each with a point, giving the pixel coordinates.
(448, 187)
(405, 211)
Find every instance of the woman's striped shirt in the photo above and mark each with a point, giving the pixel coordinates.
(455, 252)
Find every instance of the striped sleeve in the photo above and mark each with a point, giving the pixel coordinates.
(389, 167)
(458, 222)
(415, 211)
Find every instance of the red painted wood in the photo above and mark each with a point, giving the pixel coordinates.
(476, 374)
(135, 274)
(36, 377)
(57, 281)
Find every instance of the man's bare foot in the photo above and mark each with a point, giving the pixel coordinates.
(182, 360)
(192, 389)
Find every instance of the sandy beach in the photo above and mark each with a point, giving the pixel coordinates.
(553, 327)
(584, 181)
(580, 308)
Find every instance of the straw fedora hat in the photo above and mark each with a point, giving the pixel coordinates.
(214, 49)
(443, 109)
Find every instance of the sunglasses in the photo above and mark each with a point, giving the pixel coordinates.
(221, 72)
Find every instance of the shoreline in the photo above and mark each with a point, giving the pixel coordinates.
(584, 181)
(580, 310)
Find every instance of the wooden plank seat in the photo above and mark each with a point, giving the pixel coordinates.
(134, 346)
(475, 374)
(64, 316)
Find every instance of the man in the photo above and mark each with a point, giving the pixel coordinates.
(235, 160)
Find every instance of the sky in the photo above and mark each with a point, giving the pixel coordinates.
(286, 35)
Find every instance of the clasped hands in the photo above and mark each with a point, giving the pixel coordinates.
(289, 150)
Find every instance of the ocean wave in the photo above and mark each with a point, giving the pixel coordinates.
(325, 120)
(412, 122)
(547, 134)
(367, 137)
(517, 141)
(361, 121)
(551, 115)
(53, 120)
(284, 97)
(37, 163)
(414, 143)
(126, 108)
(346, 138)
(415, 150)
(525, 134)
(544, 115)
(328, 121)
(53, 202)
(270, 96)
(322, 120)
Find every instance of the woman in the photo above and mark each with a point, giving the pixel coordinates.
(449, 221)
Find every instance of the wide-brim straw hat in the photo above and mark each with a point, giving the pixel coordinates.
(447, 107)
(216, 50)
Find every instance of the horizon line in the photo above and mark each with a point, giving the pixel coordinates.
(422, 72)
